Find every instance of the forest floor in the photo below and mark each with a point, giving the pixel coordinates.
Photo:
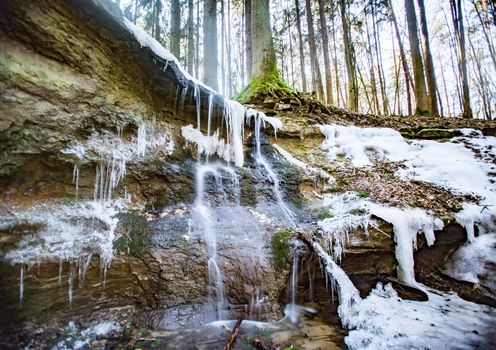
(380, 183)
(303, 110)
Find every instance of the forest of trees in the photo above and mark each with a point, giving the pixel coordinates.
(386, 57)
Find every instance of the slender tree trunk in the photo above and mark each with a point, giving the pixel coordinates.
(301, 48)
(350, 60)
(457, 16)
(175, 32)
(157, 9)
(325, 48)
(445, 91)
(197, 53)
(210, 48)
(454, 67)
(222, 48)
(404, 62)
(135, 11)
(480, 77)
(429, 63)
(242, 45)
(228, 51)
(248, 38)
(316, 76)
(422, 100)
(191, 35)
(378, 55)
(335, 59)
(291, 51)
(485, 29)
(373, 82)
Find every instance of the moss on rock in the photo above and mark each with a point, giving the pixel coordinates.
(280, 249)
(269, 84)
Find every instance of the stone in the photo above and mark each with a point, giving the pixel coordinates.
(283, 107)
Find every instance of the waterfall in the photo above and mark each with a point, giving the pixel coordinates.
(288, 214)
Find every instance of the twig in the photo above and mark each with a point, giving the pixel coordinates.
(233, 335)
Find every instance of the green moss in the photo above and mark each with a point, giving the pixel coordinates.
(358, 211)
(280, 249)
(136, 237)
(268, 84)
(361, 193)
(326, 215)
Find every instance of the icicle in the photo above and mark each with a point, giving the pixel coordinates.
(75, 179)
(59, 280)
(70, 282)
(21, 286)
(209, 121)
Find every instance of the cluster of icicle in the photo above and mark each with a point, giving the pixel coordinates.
(112, 152)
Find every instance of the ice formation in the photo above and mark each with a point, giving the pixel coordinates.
(463, 165)
(407, 223)
(384, 321)
(475, 262)
(111, 153)
(66, 234)
(348, 213)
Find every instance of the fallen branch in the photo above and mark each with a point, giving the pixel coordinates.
(233, 335)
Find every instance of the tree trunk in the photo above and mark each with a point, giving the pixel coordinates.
(429, 63)
(175, 32)
(248, 39)
(378, 55)
(301, 48)
(191, 41)
(197, 35)
(316, 76)
(222, 49)
(335, 59)
(263, 54)
(228, 51)
(350, 60)
(210, 49)
(156, 20)
(486, 29)
(457, 16)
(422, 100)
(325, 48)
(404, 62)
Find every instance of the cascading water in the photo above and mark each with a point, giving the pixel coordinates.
(288, 214)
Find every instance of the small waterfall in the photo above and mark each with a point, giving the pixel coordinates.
(215, 281)
(289, 215)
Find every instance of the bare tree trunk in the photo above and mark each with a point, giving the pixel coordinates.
(404, 62)
(291, 51)
(300, 42)
(429, 63)
(263, 54)
(228, 51)
(373, 82)
(422, 100)
(316, 76)
(335, 59)
(197, 54)
(156, 20)
(445, 91)
(380, 71)
(248, 39)
(350, 60)
(175, 31)
(210, 48)
(325, 48)
(457, 16)
(481, 79)
(222, 48)
(485, 29)
(454, 67)
(191, 45)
